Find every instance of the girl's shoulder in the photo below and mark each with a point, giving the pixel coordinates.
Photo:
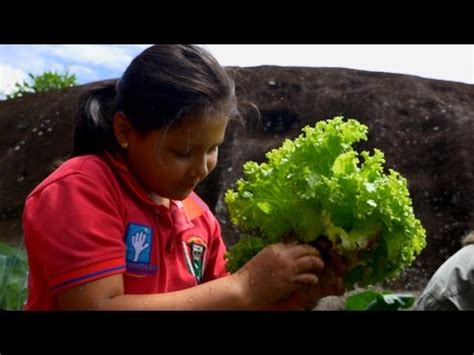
(82, 164)
(93, 167)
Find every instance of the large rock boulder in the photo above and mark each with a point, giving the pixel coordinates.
(424, 127)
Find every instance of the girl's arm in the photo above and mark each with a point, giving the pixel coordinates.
(272, 274)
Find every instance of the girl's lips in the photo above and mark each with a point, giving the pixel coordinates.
(189, 186)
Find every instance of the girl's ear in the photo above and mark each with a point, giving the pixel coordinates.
(123, 130)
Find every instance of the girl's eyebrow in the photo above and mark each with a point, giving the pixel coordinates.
(196, 145)
(199, 145)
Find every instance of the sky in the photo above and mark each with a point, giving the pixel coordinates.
(98, 62)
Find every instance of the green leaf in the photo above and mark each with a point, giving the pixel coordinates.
(245, 249)
(391, 302)
(360, 301)
(47, 81)
(372, 300)
(13, 277)
(265, 207)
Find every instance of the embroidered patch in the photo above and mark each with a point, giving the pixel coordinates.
(194, 252)
(138, 240)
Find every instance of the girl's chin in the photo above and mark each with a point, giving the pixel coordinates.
(177, 193)
(181, 195)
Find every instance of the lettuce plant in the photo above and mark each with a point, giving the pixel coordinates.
(317, 187)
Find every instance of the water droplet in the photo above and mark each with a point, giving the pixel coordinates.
(16, 148)
(211, 288)
(190, 300)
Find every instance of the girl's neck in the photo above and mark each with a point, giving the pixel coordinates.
(160, 200)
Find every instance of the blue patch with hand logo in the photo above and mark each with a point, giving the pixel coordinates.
(138, 242)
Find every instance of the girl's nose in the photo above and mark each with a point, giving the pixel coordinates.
(200, 168)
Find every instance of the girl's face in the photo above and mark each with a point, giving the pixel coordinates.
(171, 163)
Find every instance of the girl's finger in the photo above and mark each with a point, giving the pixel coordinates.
(300, 250)
(308, 263)
(305, 280)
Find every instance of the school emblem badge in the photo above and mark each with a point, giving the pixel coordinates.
(194, 252)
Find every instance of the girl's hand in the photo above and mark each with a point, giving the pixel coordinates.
(277, 271)
(330, 284)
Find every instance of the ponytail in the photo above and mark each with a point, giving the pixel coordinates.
(93, 133)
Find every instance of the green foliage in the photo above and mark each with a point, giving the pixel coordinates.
(13, 277)
(48, 81)
(247, 247)
(371, 300)
(319, 185)
(361, 300)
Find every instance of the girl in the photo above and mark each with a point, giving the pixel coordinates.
(118, 225)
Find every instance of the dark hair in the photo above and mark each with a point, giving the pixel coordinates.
(161, 85)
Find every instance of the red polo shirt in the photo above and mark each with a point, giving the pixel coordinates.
(91, 219)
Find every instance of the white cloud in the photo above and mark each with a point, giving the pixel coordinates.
(114, 57)
(99, 62)
(472, 64)
(26, 58)
(444, 62)
(81, 70)
(88, 62)
(88, 75)
(8, 77)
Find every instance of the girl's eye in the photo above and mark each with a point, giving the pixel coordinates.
(182, 154)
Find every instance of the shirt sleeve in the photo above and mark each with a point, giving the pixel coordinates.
(73, 228)
(216, 265)
(433, 299)
(451, 286)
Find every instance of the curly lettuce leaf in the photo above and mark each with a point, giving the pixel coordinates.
(317, 184)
